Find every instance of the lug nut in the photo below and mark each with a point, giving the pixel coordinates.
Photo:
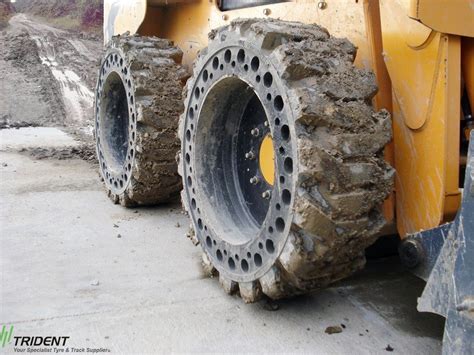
(322, 5)
(250, 155)
(267, 194)
(266, 124)
(267, 12)
(254, 180)
(255, 132)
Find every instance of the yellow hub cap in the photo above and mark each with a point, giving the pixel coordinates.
(267, 160)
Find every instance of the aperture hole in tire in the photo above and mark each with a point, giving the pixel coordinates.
(244, 265)
(269, 246)
(227, 56)
(255, 63)
(215, 63)
(285, 132)
(288, 165)
(257, 258)
(286, 196)
(267, 79)
(278, 103)
(279, 224)
(241, 56)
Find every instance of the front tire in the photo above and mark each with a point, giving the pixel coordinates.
(309, 223)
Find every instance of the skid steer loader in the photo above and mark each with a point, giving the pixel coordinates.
(288, 120)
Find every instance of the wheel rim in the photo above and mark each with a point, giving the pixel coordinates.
(115, 122)
(237, 107)
(229, 156)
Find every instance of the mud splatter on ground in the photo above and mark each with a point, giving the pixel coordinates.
(83, 152)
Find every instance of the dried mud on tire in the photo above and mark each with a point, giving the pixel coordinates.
(326, 204)
(152, 79)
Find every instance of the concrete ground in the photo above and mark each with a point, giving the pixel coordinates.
(73, 264)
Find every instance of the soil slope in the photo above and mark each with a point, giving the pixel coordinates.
(84, 15)
(48, 76)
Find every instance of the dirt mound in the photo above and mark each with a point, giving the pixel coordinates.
(83, 15)
(7, 122)
(6, 11)
(21, 50)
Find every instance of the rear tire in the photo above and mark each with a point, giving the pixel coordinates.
(298, 85)
(137, 107)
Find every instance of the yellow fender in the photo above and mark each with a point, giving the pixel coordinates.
(123, 15)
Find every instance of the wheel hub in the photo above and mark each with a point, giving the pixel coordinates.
(267, 160)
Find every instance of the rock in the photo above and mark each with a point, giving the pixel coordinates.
(333, 329)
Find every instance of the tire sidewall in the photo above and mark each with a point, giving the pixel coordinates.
(117, 181)
(222, 42)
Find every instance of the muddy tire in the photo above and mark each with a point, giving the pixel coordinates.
(137, 106)
(310, 224)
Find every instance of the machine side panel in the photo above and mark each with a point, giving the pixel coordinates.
(424, 68)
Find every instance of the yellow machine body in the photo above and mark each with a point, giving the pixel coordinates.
(422, 52)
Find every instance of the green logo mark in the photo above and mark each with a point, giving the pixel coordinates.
(6, 336)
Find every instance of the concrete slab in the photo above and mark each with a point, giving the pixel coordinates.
(128, 280)
(33, 137)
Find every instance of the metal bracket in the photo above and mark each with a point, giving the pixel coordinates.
(449, 289)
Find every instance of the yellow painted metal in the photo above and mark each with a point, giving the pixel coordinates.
(426, 111)
(445, 16)
(417, 67)
(416, 34)
(452, 112)
(121, 16)
(383, 99)
(266, 159)
(188, 25)
(168, 2)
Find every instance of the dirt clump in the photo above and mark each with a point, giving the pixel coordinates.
(333, 329)
(21, 50)
(7, 122)
(84, 152)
